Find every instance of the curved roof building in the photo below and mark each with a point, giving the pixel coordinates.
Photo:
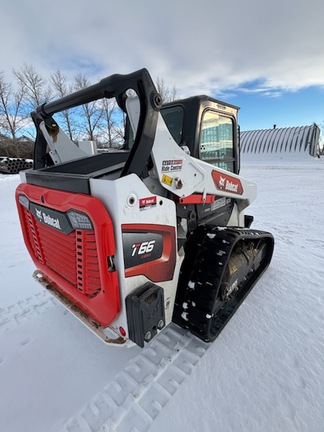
(300, 139)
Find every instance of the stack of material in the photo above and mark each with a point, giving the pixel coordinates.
(14, 165)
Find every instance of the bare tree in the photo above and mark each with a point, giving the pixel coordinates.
(62, 88)
(100, 121)
(167, 94)
(92, 112)
(34, 85)
(12, 115)
(112, 125)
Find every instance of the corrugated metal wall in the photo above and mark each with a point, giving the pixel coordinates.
(303, 139)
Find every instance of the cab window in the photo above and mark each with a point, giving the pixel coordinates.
(216, 140)
(173, 117)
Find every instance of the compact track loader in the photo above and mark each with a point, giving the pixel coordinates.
(132, 240)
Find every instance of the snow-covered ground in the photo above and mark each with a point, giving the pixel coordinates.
(265, 372)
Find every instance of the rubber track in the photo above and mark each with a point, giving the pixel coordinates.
(136, 396)
(201, 278)
(13, 316)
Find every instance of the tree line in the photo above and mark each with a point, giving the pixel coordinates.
(101, 121)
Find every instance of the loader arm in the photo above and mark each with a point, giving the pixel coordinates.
(115, 86)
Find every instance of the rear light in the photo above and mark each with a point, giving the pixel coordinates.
(79, 220)
(122, 331)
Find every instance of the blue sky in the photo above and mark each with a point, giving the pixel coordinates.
(266, 56)
(284, 109)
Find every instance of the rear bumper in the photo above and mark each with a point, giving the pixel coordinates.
(97, 329)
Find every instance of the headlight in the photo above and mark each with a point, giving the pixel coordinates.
(79, 220)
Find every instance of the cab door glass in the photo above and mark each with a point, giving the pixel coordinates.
(216, 140)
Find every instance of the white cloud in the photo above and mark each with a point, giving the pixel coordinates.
(197, 47)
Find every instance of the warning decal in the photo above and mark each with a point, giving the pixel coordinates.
(172, 165)
(167, 180)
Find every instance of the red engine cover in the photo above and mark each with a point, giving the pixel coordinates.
(75, 261)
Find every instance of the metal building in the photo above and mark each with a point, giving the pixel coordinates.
(300, 139)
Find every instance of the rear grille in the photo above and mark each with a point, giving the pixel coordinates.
(72, 256)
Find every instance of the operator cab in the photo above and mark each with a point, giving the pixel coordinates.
(206, 126)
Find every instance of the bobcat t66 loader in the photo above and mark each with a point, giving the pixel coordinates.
(131, 240)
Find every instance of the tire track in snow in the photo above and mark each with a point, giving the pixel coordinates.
(13, 316)
(134, 398)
